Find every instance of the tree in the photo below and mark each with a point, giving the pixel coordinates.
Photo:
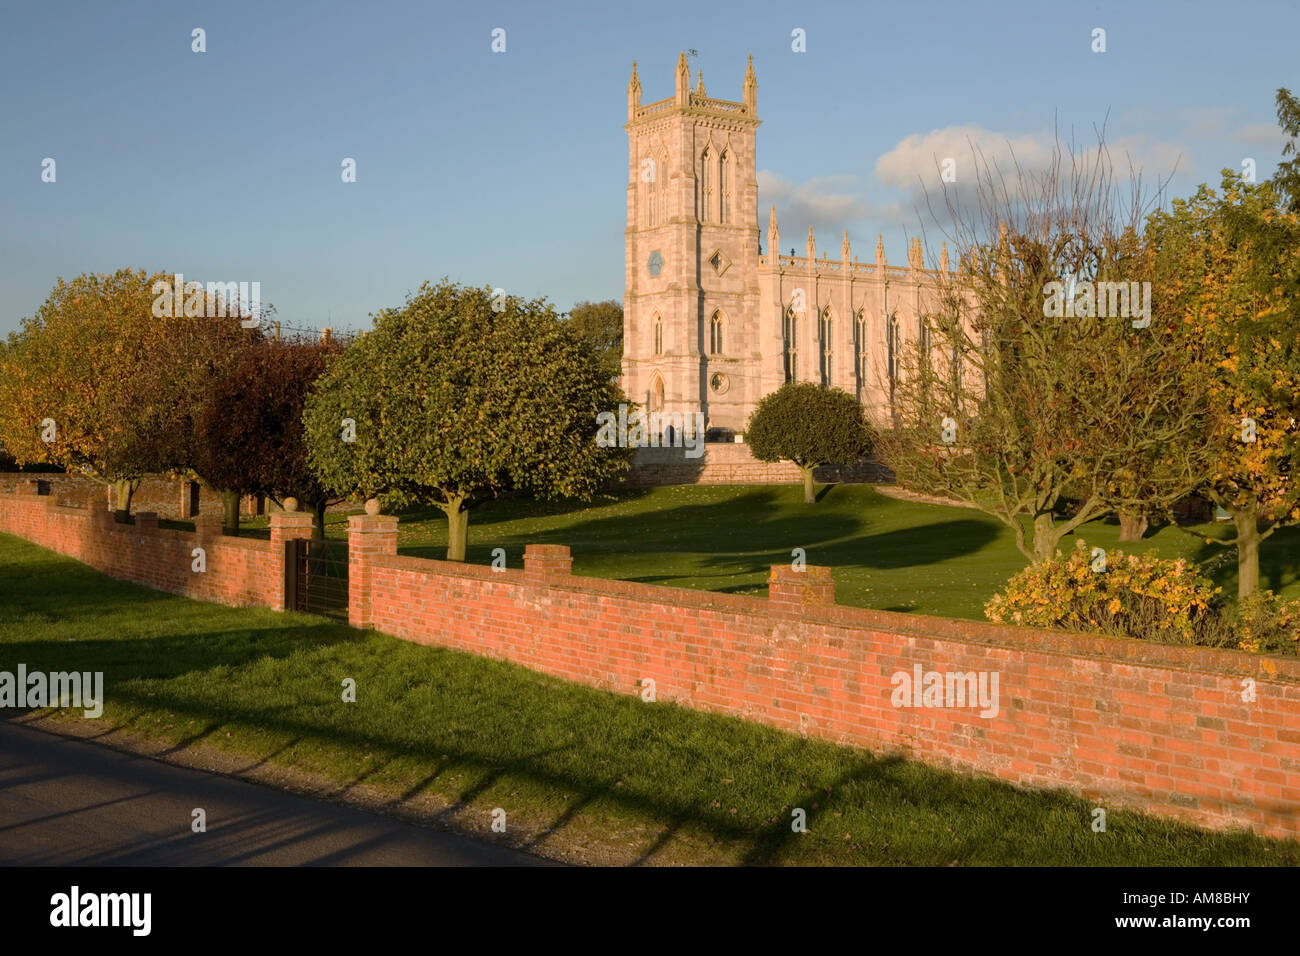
(1232, 286)
(1039, 369)
(809, 425)
(600, 324)
(249, 430)
(67, 378)
(460, 396)
(165, 398)
(1287, 177)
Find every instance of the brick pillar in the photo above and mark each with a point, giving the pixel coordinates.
(369, 536)
(101, 521)
(791, 590)
(207, 526)
(547, 561)
(286, 526)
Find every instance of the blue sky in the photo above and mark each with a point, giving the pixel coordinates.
(509, 169)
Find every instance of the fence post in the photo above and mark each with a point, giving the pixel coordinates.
(369, 536)
(286, 526)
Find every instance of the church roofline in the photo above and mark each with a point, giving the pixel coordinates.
(697, 104)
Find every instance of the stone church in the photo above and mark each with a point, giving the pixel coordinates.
(714, 318)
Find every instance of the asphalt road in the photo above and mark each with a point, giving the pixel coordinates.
(68, 802)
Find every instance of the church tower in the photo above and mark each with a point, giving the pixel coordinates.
(691, 301)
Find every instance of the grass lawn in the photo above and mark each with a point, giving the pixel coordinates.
(581, 773)
(886, 553)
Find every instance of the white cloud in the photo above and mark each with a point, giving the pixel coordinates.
(1268, 135)
(821, 201)
(917, 159)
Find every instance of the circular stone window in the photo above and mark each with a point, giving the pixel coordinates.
(718, 382)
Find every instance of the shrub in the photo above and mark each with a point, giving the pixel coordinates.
(1140, 596)
(1263, 623)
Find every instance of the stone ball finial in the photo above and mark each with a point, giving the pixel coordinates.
(290, 504)
(372, 507)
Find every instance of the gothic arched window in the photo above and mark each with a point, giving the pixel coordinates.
(860, 349)
(724, 187)
(791, 336)
(659, 336)
(662, 171)
(892, 345)
(715, 334)
(706, 184)
(656, 393)
(653, 208)
(826, 330)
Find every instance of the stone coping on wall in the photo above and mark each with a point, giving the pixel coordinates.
(1121, 650)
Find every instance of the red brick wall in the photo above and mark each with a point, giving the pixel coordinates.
(1122, 722)
(167, 497)
(239, 571)
(1158, 728)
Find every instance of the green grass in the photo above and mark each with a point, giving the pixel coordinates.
(617, 779)
(886, 553)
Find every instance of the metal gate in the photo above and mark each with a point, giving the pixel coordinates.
(316, 577)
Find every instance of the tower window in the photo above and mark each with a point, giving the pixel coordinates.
(653, 207)
(662, 170)
(724, 188)
(659, 336)
(715, 334)
(706, 185)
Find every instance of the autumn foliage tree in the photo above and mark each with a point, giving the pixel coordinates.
(1036, 370)
(96, 383)
(1230, 265)
(248, 433)
(67, 384)
(166, 398)
(459, 396)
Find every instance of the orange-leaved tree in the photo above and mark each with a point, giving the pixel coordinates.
(64, 372)
(1230, 275)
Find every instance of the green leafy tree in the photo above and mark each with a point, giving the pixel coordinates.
(460, 396)
(809, 425)
(1287, 177)
(600, 324)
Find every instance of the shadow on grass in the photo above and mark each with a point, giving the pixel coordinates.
(426, 717)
